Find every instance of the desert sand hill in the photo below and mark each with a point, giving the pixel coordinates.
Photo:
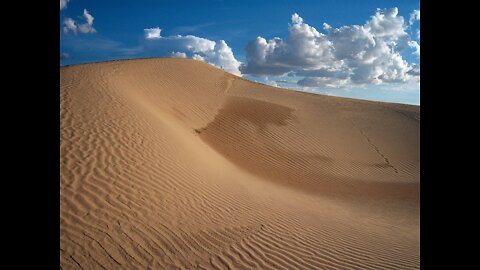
(175, 164)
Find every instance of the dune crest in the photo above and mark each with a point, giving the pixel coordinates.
(175, 164)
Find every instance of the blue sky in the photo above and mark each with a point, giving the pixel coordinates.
(368, 49)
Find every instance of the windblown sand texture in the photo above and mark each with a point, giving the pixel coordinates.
(176, 164)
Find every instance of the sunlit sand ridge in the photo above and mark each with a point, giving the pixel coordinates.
(175, 164)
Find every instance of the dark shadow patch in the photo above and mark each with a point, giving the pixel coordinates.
(252, 134)
(257, 112)
(199, 130)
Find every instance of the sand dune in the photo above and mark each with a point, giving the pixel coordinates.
(175, 164)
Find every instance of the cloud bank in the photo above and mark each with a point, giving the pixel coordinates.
(215, 53)
(71, 26)
(349, 55)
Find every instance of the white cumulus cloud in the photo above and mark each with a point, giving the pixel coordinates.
(178, 55)
(88, 26)
(71, 26)
(386, 24)
(215, 53)
(413, 44)
(222, 56)
(198, 57)
(305, 47)
(414, 16)
(152, 33)
(63, 4)
(356, 54)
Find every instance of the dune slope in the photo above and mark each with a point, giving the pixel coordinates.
(175, 164)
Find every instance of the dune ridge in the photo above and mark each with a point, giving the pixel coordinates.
(175, 164)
